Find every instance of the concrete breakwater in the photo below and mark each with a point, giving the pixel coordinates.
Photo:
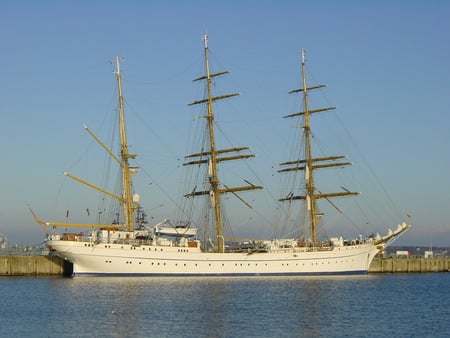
(34, 266)
(410, 264)
(55, 266)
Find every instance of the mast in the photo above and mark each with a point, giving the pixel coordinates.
(309, 163)
(309, 177)
(128, 205)
(213, 177)
(126, 199)
(211, 157)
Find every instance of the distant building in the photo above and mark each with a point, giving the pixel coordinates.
(428, 254)
(3, 241)
(402, 254)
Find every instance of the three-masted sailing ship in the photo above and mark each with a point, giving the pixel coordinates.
(127, 248)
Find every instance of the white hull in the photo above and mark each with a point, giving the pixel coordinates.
(125, 259)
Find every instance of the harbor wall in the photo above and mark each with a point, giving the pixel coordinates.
(55, 266)
(410, 264)
(34, 266)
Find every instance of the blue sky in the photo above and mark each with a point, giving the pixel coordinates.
(386, 65)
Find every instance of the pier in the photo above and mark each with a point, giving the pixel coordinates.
(55, 266)
(410, 265)
(34, 266)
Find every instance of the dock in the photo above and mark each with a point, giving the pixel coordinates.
(34, 266)
(410, 265)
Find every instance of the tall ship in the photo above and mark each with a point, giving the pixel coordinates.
(128, 246)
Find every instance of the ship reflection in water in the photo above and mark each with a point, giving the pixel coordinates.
(327, 306)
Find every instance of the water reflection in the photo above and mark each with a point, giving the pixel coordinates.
(217, 307)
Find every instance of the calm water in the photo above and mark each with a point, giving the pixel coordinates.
(388, 305)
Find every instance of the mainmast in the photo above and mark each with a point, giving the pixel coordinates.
(128, 204)
(310, 164)
(211, 157)
(213, 177)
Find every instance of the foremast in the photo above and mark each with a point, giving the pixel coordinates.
(211, 157)
(126, 199)
(128, 206)
(309, 164)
